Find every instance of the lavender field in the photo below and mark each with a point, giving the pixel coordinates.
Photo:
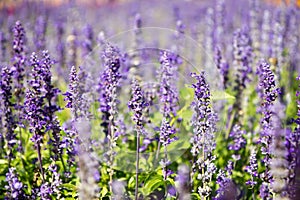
(150, 100)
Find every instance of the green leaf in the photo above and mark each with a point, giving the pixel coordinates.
(187, 93)
(152, 184)
(69, 186)
(221, 95)
(3, 162)
(104, 191)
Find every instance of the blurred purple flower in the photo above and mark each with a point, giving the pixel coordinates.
(14, 189)
(222, 65)
(242, 55)
(40, 33)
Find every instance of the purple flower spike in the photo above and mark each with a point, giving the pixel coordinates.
(167, 91)
(238, 142)
(252, 169)
(108, 84)
(242, 54)
(9, 123)
(203, 140)
(137, 104)
(18, 69)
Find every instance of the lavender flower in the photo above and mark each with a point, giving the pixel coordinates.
(108, 84)
(34, 107)
(19, 68)
(225, 183)
(72, 93)
(203, 140)
(167, 133)
(137, 104)
(292, 145)
(69, 143)
(242, 54)
(167, 90)
(14, 189)
(252, 169)
(9, 123)
(51, 188)
(167, 136)
(268, 93)
(49, 109)
(238, 142)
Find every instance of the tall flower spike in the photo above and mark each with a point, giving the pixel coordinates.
(50, 107)
(252, 169)
(108, 85)
(9, 124)
(268, 92)
(292, 146)
(168, 93)
(242, 54)
(242, 59)
(18, 69)
(34, 107)
(74, 94)
(203, 140)
(137, 104)
(238, 142)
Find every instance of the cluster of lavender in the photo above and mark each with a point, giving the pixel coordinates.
(64, 135)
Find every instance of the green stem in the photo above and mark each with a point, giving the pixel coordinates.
(137, 164)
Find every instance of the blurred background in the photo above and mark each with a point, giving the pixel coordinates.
(10, 4)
